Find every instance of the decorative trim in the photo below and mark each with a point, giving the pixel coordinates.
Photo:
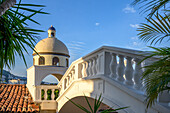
(51, 53)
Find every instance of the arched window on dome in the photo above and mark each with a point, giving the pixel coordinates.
(56, 61)
(41, 61)
(52, 34)
(66, 62)
(33, 61)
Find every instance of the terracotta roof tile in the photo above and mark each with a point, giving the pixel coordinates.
(16, 98)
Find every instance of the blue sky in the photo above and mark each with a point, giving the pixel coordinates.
(85, 25)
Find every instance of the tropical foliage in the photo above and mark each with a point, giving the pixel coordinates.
(152, 6)
(15, 33)
(95, 109)
(157, 74)
(156, 30)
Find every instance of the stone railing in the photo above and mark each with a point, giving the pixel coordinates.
(119, 64)
(46, 92)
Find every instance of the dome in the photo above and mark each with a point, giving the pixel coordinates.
(51, 46)
(51, 28)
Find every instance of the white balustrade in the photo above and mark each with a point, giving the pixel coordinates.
(45, 94)
(52, 94)
(137, 74)
(120, 68)
(97, 65)
(129, 71)
(103, 62)
(90, 68)
(44, 89)
(83, 71)
(94, 67)
(113, 66)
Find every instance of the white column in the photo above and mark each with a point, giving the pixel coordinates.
(52, 94)
(73, 74)
(40, 94)
(87, 68)
(94, 67)
(129, 71)
(113, 66)
(90, 68)
(120, 68)
(97, 65)
(137, 74)
(45, 94)
(83, 70)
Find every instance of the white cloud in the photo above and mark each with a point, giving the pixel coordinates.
(97, 24)
(134, 38)
(135, 43)
(134, 25)
(76, 49)
(129, 9)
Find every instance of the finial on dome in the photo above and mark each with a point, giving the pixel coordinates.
(51, 32)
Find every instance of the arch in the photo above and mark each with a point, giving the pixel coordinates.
(50, 79)
(68, 107)
(91, 89)
(67, 63)
(41, 61)
(52, 34)
(56, 61)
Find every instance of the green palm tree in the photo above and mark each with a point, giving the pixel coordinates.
(156, 75)
(15, 33)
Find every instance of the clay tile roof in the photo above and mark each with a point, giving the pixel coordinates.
(16, 98)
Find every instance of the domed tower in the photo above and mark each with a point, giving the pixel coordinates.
(51, 58)
(51, 51)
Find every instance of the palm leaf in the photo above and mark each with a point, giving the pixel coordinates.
(155, 31)
(157, 75)
(14, 35)
(151, 6)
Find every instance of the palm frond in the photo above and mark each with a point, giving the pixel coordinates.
(151, 6)
(156, 30)
(15, 34)
(157, 75)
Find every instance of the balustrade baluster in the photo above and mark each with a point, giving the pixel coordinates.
(97, 65)
(129, 71)
(40, 94)
(83, 70)
(52, 94)
(137, 74)
(73, 74)
(90, 67)
(120, 68)
(65, 83)
(69, 79)
(86, 69)
(113, 66)
(45, 94)
(94, 67)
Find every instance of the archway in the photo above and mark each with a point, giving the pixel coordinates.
(68, 107)
(50, 79)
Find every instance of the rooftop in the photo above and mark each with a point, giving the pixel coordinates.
(16, 98)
